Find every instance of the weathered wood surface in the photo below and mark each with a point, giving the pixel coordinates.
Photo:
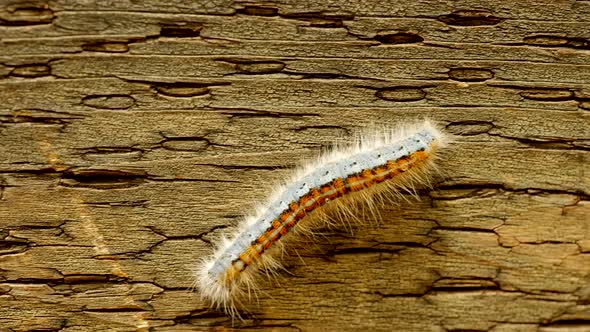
(132, 133)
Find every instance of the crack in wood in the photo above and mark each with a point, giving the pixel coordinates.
(548, 94)
(550, 142)
(479, 188)
(399, 38)
(324, 20)
(338, 129)
(181, 30)
(254, 67)
(11, 247)
(22, 16)
(185, 89)
(568, 324)
(470, 18)
(39, 120)
(32, 70)
(110, 102)
(470, 74)
(255, 113)
(401, 93)
(115, 152)
(558, 41)
(142, 203)
(254, 10)
(469, 128)
(102, 178)
(107, 46)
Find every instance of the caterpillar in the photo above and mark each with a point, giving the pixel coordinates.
(378, 164)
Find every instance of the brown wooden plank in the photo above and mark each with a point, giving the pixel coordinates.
(134, 134)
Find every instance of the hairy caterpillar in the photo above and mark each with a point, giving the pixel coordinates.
(377, 164)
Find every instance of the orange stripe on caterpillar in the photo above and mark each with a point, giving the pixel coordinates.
(297, 210)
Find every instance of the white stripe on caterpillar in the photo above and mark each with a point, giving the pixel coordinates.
(377, 164)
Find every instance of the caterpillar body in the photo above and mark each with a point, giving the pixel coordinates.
(377, 164)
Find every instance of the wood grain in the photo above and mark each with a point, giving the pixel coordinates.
(135, 133)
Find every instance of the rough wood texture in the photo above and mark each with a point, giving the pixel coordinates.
(132, 133)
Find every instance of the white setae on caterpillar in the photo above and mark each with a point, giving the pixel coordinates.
(376, 164)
